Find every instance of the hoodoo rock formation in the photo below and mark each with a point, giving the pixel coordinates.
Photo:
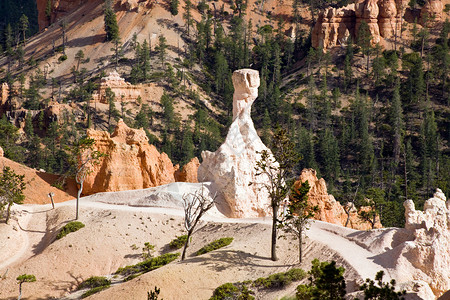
(232, 167)
(131, 162)
(384, 17)
(4, 93)
(124, 91)
(330, 210)
(428, 250)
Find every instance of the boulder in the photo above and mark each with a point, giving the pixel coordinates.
(232, 167)
(189, 172)
(131, 162)
(429, 248)
(330, 210)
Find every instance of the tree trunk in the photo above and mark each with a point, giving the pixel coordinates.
(300, 247)
(78, 200)
(20, 291)
(186, 245)
(8, 212)
(274, 233)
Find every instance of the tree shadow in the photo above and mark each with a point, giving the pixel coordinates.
(223, 259)
(86, 41)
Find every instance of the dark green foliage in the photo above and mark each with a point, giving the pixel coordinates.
(93, 282)
(384, 290)
(148, 265)
(11, 11)
(68, 228)
(94, 291)
(111, 26)
(225, 291)
(153, 295)
(280, 280)
(326, 282)
(217, 244)
(174, 7)
(178, 242)
(12, 186)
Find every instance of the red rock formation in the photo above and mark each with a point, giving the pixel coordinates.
(123, 90)
(431, 13)
(189, 172)
(387, 18)
(1, 152)
(131, 162)
(330, 210)
(368, 11)
(59, 9)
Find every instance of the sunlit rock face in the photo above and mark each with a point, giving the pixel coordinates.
(232, 167)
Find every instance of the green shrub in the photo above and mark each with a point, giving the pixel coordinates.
(224, 291)
(94, 290)
(68, 228)
(62, 58)
(93, 282)
(280, 280)
(215, 245)
(148, 265)
(178, 242)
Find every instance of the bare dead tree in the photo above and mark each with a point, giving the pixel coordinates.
(195, 206)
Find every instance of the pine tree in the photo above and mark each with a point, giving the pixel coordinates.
(162, 48)
(24, 23)
(364, 41)
(187, 16)
(174, 7)
(397, 123)
(111, 26)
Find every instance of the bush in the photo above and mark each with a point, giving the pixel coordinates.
(215, 245)
(68, 228)
(148, 265)
(224, 291)
(280, 280)
(62, 58)
(94, 290)
(178, 242)
(93, 282)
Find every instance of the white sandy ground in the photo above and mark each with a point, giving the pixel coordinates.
(28, 246)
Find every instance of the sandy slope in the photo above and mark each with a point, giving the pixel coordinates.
(111, 229)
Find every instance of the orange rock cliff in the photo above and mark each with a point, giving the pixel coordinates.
(130, 163)
(330, 210)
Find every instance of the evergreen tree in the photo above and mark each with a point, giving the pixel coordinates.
(364, 41)
(24, 23)
(162, 49)
(187, 16)
(397, 123)
(174, 7)
(111, 26)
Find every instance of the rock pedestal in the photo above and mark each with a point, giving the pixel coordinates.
(232, 167)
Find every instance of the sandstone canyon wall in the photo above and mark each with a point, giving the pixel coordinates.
(232, 167)
(335, 25)
(131, 162)
(330, 210)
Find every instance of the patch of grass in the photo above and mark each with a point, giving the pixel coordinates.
(280, 280)
(148, 265)
(215, 245)
(93, 282)
(94, 290)
(68, 228)
(178, 242)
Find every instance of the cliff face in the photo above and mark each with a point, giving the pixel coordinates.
(330, 210)
(124, 91)
(59, 8)
(131, 162)
(384, 17)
